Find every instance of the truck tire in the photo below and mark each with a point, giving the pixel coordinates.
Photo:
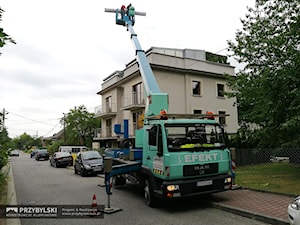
(119, 180)
(149, 194)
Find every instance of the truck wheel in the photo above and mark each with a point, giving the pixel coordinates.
(119, 180)
(149, 194)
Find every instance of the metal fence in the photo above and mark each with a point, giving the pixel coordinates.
(258, 155)
(274, 170)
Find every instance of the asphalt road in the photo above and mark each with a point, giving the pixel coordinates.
(37, 183)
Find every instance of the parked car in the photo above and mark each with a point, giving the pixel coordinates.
(72, 149)
(42, 154)
(88, 163)
(61, 159)
(279, 159)
(294, 211)
(14, 153)
(33, 152)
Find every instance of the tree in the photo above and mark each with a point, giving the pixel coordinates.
(4, 38)
(267, 88)
(80, 125)
(5, 144)
(25, 142)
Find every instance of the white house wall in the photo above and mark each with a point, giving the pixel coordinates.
(174, 75)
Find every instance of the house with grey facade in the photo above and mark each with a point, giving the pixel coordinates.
(194, 80)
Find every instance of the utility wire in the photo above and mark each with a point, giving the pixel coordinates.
(31, 119)
(51, 130)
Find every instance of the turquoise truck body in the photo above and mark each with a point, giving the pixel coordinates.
(173, 156)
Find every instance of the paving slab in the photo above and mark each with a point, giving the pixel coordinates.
(268, 207)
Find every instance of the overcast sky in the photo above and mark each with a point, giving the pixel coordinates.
(65, 48)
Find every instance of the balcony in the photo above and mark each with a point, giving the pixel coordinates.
(104, 134)
(106, 110)
(133, 102)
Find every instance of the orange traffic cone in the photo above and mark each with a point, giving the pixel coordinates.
(94, 202)
(94, 206)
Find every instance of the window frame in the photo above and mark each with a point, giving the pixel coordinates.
(200, 87)
(222, 119)
(220, 93)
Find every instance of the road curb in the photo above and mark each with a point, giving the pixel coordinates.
(251, 215)
(11, 196)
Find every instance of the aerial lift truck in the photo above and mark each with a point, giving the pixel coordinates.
(173, 156)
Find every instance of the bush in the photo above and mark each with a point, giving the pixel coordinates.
(3, 158)
(54, 147)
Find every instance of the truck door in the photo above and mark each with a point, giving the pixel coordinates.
(154, 155)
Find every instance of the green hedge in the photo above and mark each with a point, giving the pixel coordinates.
(3, 158)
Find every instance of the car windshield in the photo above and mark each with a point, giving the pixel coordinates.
(91, 155)
(194, 137)
(43, 150)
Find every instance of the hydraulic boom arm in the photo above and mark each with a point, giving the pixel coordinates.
(156, 100)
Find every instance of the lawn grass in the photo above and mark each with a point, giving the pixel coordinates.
(279, 177)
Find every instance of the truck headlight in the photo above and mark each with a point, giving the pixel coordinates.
(173, 187)
(227, 180)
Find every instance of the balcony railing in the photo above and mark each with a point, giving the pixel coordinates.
(136, 100)
(103, 132)
(106, 109)
(98, 110)
(98, 133)
(108, 132)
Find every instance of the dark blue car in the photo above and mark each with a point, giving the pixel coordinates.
(42, 154)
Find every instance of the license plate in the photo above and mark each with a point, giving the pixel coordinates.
(97, 168)
(204, 183)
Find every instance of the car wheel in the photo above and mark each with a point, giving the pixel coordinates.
(149, 194)
(83, 173)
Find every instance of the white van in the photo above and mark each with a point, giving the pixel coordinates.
(72, 149)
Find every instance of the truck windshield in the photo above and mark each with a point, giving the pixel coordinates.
(194, 137)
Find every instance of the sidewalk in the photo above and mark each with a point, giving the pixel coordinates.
(267, 207)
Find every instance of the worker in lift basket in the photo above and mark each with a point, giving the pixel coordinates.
(123, 9)
(131, 13)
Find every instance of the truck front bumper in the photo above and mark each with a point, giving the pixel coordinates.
(191, 187)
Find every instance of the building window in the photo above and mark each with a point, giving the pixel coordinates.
(220, 90)
(222, 119)
(108, 104)
(196, 87)
(108, 128)
(197, 111)
(138, 119)
(137, 94)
